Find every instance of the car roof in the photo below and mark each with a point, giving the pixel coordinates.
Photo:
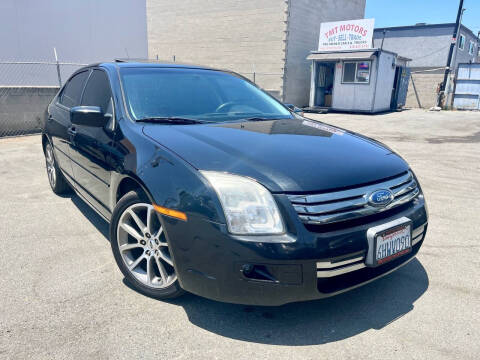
(150, 64)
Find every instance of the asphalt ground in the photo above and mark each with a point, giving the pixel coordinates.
(62, 296)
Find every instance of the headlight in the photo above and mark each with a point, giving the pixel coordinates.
(249, 208)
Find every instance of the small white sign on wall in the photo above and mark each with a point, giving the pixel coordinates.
(346, 35)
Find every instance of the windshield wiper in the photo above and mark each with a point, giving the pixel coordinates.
(171, 120)
(257, 118)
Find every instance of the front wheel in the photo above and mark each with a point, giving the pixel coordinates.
(141, 249)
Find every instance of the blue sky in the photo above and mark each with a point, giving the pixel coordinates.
(410, 12)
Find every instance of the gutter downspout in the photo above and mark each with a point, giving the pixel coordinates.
(285, 49)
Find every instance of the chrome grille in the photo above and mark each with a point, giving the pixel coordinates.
(350, 204)
(328, 268)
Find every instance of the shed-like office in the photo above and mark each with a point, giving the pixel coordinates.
(367, 80)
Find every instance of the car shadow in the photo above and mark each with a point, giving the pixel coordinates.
(96, 220)
(372, 306)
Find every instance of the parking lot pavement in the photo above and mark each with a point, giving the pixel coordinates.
(62, 296)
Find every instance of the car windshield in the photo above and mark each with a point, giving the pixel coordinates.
(198, 94)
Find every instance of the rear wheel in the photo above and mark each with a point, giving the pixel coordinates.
(141, 249)
(56, 179)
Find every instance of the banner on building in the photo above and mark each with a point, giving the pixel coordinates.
(346, 35)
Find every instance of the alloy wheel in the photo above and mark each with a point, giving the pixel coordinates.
(143, 246)
(50, 161)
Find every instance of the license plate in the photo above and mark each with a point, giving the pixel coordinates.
(389, 241)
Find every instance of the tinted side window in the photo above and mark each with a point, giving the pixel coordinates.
(97, 92)
(73, 90)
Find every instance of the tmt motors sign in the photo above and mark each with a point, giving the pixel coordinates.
(346, 35)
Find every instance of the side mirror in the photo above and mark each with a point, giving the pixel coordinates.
(88, 116)
(295, 109)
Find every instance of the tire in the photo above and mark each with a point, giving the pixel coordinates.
(57, 181)
(140, 247)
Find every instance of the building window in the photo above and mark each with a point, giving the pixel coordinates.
(349, 72)
(471, 48)
(356, 72)
(461, 42)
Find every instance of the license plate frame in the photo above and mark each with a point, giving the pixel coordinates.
(375, 232)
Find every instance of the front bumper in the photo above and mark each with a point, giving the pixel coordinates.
(212, 263)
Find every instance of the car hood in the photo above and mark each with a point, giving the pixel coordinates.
(288, 155)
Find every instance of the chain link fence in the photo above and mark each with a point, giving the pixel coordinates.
(26, 88)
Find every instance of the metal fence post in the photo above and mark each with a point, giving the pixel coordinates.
(416, 93)
(58, 68)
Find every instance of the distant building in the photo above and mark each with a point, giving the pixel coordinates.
(271, 38)
(428, 46)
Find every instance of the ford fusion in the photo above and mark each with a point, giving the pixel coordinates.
(214, 187)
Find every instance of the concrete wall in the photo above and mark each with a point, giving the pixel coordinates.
(22, 109)
(241, 35)
(304, 19)
(426, 85)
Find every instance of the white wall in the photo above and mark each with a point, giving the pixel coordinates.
(360, 97)
(353, 97)
(81, 30)
(386, 76)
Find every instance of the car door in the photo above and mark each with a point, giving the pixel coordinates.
(58, 120)
(91, 146)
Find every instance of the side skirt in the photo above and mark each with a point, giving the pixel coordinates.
(73, 184)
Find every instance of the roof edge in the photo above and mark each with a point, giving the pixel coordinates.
(424, 26)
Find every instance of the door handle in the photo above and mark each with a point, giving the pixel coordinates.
(71, 131)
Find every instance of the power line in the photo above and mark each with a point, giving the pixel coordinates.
(432, 53)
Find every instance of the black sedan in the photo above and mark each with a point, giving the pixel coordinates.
(212, 186)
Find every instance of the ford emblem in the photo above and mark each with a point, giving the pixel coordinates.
(380, 197)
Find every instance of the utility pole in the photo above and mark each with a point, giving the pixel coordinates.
(448, 97)
(450, 53)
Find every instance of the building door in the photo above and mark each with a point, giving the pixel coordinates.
(324, 84)
(403, 87)
(400, 87)
(396, 84)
